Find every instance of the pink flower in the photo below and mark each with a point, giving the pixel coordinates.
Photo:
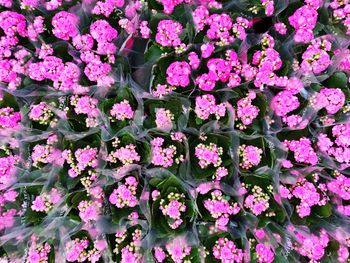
(38, 204)
(264, 253)
(168, 32)
(178, 74)
(34, 257)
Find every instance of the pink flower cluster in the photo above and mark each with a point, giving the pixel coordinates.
(172, 208)
(246, 112)
(208, 154)
(340, 187)
(89, 210)
(47, 154)
(41, 113)
(168, 32)
(177, 250)
(226, 251)
(131, 251)
(164, 119)
(78, 250)
(88, 106)
(330, 99)
(311, 246)
(219, 70)
(315, 58)
(65, 25)
(46, 201)
(206, 106)
(281, 28)
(13, 23)
(7, 216)
(309, 195)
(65, 76)
(9, 118)
(38, 253)
(162, 90)
(125, 194)
(220, 208)
(169, 5)
(284, 102)
(251, 156)
(303, 151)
(107, 7)
(258, 201)
(264, 253)
(220, 173)
(83, 158)
(178, 74)
(341, 191)
(341, 12)
(220, 26)
(162, 156)
(126, 154)
(304, 20)
(8, 169)
(340, 147)
(122, 111)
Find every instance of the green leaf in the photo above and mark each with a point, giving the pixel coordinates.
(199, 121)
(337, 80)
(153, 53)
(324, 211)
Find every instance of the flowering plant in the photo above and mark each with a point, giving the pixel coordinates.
(168, 151)
(170, 203)
(126, 244)
(174, 131)
(124, 197)
(124, 151)
(211, 154)
(80, 162)
(176, 250)
(215, 205)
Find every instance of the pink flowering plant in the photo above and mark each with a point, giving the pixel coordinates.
(42, 201)
(84, 248)
(80, 162)
(174, 131)
(179, 249)
(171, 204)
(211, 156)
(86, 206)
(10, 208)
(249, 111)
(10, 115)
(210, 109)
(126, 243)
(338, 193)
(119, 109)
(42, 115)
(310, 197)
(39, 252)
(168, 151)
(259, 199)
(166, 115)
(45, 154)
(124, 152)
(219, 247)
(215, 206)
(256, 154)
(124, 197)
(332, 144)
(81, 113)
